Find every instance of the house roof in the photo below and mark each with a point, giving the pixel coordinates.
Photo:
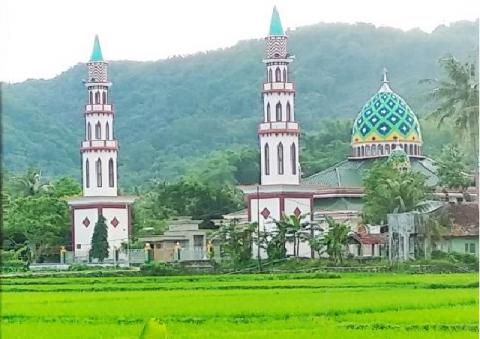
(465, 220)
(368, 239)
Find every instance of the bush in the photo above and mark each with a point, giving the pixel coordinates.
(14, 265)
(158, 268)
(79, 267)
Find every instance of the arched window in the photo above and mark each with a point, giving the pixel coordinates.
(280, 158)
(98, 131)
(293, 158)
(374, 150)
(267, 159)
(278, 75)
(268, 112)
(284, 75)
(278, 112)
(104, 97)
(111, 180)
(380, 149)
(289, 117)
(270, 77)
(87, 173)
(394, 146)
(411, 149)
(89, 131)
(107, 131)
(405, 148)
(367, 151)
(97, 97)
(90, 100)
(387, 149)
(98, 168)
(363, 151)
(415, 148)
(358, 151)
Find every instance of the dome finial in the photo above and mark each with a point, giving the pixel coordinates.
(385, 82)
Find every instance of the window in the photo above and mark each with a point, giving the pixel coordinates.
(411, 149)
(270, 77)
(107, 131)
(289, 117)
(87, 173)
(111, 179)
(394, 146)
(293, 158)
(90, 100)
(466, 248)
(374, 150)
(284, 75)
(267, 159)
(278, 112)
(79, 246)
(280, 158)
(268, 112)
(380, 149)
(98, 131)
(104, 98)
(278, 75)
(98, 167)
(367, 151)
(89, 132)
(472, 248)
(97, 97)
(358, 151)
(387, 149)
(363, 151)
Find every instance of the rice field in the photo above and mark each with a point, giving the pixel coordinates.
(244, 306)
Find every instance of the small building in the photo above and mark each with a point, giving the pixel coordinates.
(462, 236)
(367, 242)
(184, 240)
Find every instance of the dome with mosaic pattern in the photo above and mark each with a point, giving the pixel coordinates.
(386, 117)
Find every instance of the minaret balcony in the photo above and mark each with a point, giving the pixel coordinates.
(108, 108)
(278, 127)
(278, 86)
(99, 145)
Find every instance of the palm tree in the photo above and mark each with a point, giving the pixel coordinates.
(458, 99)
(336, 239)
(31, 183)
(293, 224)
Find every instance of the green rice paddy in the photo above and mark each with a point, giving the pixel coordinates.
(244, 306)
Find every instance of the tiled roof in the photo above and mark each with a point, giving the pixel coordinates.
(349, 173)
(369, 239)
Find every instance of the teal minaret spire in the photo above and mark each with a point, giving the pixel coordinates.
(275, 24)
(97, 51)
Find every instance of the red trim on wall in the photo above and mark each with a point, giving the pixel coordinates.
(99, 113)
(282, 205)
(129, 208)
(100, 206)
(98, 148)
(279, 131)
(249, 209)
(269, 195)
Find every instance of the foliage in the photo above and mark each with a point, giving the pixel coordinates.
(153, 329)
(457, 98)
(391, 190)
(336, 239)
(236, 241)
(158, 268)
(293, 225)
(337, 69)
(99, 245)
(451, 168)
(30, 183)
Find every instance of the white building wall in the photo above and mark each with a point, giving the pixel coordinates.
(94, 190)
(274, 177)
(275, 97)
(93, 119)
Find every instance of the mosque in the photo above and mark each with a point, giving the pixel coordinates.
(384, 125)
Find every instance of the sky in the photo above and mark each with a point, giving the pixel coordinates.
(41, 39)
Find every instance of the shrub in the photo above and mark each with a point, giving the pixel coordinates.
(158, 268)
(14, 265)
(79, 267)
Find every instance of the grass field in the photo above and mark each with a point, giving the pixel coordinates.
(244, 306)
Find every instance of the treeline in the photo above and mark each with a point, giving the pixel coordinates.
(174, 112)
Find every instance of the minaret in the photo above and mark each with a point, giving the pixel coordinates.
(278, 132)
(99, 149)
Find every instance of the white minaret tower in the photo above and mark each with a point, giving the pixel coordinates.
(99, 148)
(278, 132)
(99, 172)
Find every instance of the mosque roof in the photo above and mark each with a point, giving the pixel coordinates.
(386, 117)
(275, 24)
(349, 173)
(97, 51)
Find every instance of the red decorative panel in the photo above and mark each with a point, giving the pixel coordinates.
(114, 222)
(265, 213)
(297, 212)
(86, 222)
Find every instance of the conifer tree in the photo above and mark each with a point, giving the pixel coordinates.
(99, 244)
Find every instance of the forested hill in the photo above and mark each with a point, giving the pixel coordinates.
(172, 111)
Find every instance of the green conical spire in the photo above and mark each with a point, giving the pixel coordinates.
(97, 51)
(275, 24)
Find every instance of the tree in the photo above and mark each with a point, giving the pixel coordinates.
(30, 183)
(237, 241)
(293, 225)
(458, 99)
(274, 241)
(336, 239)
(99, 246)
(451, 168)
(391, 187)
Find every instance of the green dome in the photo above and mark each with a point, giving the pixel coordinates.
(386, 117)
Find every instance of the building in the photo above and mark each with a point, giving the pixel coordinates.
(384, 124)
(99, 151)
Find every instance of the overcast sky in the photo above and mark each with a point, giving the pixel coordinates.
(41, 39)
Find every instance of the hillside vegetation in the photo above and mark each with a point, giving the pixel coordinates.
(172, 113)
